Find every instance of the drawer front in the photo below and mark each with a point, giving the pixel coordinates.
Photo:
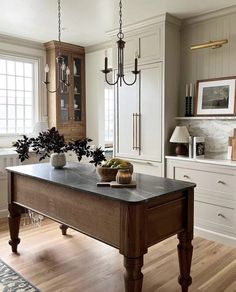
(212, 181)
(215, 218)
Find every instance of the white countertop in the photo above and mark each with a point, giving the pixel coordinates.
(224, 162)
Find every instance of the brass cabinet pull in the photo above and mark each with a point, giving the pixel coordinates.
(221, 215)
(133, 131)
(136, 131)
(186, 176)
(221, 182)
(136, 134)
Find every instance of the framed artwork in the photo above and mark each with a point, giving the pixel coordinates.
(215, 97)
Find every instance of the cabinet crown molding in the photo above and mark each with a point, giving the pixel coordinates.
(209, 15)
(66, 46)
(147, 23)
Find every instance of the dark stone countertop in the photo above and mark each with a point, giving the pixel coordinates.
(83, 177)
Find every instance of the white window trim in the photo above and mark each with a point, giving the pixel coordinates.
(35, 75)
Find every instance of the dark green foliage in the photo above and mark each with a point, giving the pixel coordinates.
(51, 141)
(98, 156)
(80, 147)
(47, 142)
(22, 147)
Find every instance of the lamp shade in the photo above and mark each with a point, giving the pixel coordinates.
(180, 135)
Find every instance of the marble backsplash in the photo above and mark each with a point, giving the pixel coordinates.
(216, 133)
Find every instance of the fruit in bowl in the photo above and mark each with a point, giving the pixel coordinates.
(108, 170)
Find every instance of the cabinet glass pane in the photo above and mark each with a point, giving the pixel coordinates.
(77, 89)
(64, 103)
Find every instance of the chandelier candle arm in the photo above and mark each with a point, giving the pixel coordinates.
(63, 71)
(120, 58)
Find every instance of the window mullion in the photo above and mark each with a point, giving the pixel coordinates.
(7, 95)
(24, 98)
(15, 101)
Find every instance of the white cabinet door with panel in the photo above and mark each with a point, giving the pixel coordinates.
(138, 116)
(147, 45)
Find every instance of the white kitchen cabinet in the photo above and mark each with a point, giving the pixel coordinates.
(145, 112)
(215, 198)
(138, 116)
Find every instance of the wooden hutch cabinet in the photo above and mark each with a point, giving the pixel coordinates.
(66, 107)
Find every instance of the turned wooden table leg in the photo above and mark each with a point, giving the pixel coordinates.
(63, 228)
(133, 276)
(14, 226)
(185, 251)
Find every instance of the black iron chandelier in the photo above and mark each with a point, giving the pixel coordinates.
(62, 70)
(120, 46)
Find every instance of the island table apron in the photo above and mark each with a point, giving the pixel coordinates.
(130, 220)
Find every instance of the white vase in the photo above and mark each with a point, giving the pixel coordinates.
(58, 160)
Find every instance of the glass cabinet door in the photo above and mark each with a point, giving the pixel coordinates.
(77, 95)
(64, 95)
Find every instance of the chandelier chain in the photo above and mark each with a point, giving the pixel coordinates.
(120, 33)
(59, 21)
(120, 76)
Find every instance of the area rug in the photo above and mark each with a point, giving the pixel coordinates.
(11, 281)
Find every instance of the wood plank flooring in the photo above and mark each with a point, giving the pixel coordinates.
(77, 263)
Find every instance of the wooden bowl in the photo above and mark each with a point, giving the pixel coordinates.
(109, 174)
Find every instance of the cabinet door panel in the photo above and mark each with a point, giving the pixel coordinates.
(77, 92)
(142, 98)
(151, 45)
(150, 109)
(64, 94)
(126, 106)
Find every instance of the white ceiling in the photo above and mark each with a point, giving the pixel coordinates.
(85, 22)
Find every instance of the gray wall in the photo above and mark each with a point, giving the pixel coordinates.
(209, 63)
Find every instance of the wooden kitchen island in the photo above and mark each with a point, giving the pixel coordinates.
(130, 220)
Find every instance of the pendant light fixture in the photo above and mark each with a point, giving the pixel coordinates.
(120, 46)
(62, 70)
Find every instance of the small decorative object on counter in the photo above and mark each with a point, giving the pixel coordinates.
(232, 141)
(123, 176)
(190, 147)
(58, 160)
(229, 153)
(108, 171)
(198, 147)
(180, 136)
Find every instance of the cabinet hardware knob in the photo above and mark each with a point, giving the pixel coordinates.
(221, 215)
(186, 176)
(221, 182)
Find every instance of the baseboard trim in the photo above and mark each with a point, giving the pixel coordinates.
(215, 236)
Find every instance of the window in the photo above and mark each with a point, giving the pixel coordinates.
(109, 115)
(17, 95)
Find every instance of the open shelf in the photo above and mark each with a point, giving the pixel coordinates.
(207, 118)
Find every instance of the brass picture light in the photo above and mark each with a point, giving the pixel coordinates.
(210, 44)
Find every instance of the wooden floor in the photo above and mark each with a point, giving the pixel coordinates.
(77, 263)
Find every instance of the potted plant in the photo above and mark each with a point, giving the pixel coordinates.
(52, 144)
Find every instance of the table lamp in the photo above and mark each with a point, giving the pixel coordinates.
(181, 137)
